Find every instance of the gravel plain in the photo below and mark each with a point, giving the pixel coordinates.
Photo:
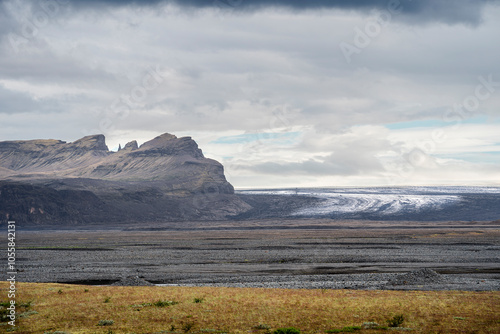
(301, 253)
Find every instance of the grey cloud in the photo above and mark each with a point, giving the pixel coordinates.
(449, 11)
(237, 70)
(351, 154)
(48, 67)
(334, 164)
(14, 102)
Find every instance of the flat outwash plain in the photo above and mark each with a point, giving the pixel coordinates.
(163, 213)
(274, 253)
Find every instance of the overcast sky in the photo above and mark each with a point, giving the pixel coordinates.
(282, 93)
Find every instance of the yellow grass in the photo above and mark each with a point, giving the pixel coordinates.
(237, 310)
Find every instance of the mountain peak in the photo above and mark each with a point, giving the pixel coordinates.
(94, 142)
(160, 141)
(89, 157)
(168, 144)
(131, 146)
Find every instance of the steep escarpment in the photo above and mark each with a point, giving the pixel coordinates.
(166, 178)
(50, 158)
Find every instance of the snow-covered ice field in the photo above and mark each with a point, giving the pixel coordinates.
(387, 201)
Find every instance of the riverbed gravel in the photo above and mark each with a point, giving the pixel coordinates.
(452, 257)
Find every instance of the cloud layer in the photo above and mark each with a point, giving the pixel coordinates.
(425, 10)
(282, 93)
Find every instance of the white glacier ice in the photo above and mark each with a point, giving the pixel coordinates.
(380, 200)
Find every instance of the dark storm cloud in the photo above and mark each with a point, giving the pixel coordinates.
(412, 11)
(449, 11)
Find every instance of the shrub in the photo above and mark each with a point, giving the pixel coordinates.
(164, 303)
(262, 326)
(187, 326)
(289, 330)
(27, 304)
(396, 321)
(27, 314)
(4, 315)
(105, 322)
(370, 325)
(198, 300)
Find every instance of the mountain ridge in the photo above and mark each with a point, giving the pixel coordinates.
(167, 177)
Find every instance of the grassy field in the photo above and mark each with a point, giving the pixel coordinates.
(48, 308)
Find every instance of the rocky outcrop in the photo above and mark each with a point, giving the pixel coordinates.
(131, 146)
(165, 178)
(50, 158)
(164, 159)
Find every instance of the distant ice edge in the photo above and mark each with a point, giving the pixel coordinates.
(376, 200)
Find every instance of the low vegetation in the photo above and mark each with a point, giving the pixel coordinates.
(396, 321)
(152, 310)
(105, 323)
(289, 330)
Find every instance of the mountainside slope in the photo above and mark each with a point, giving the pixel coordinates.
(166, 178)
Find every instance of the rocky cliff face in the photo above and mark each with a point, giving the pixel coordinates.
(165, 178)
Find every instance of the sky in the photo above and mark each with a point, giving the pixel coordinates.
(282, 93)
